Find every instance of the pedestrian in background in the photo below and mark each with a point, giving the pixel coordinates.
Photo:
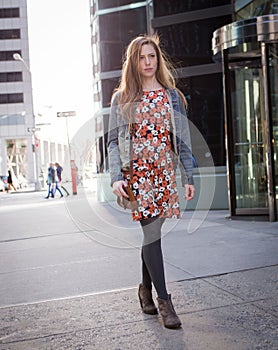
(56, 180)
(50, 181)
(59, 170)
(10, 181)
(148, 137)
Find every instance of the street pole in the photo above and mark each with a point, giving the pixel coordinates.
(72, 162)
(17, 57)
(67, 126)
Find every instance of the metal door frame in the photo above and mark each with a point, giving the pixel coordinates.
(269, 135)
(264, 30)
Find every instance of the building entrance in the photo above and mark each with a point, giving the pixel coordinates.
(250, 77)
(248, 155)
(17, 158)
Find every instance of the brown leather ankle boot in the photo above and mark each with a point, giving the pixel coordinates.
(146, 300)
(168, 313)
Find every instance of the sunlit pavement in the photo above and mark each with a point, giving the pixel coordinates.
(70, 268)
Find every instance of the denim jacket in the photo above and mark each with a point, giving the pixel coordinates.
(119, 139)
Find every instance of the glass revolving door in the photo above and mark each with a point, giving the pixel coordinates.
(248, 125)
(248, 51)
(273, 85)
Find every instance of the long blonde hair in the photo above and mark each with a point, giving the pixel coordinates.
(130, 88)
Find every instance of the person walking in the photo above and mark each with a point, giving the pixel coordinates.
(50, 181)
(59, 170)
(148, 137)
(10, 182)
(56, 181)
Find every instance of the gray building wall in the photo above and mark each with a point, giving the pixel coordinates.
(16, 106)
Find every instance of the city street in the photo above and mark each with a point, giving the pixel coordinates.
(70, 268)
(62, 247)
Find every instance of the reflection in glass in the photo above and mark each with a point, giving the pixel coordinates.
(249, 140)
(108, 86)
(189, 44)
(170, 7)
(204, 95)
(273, 68)
(116, 30)
(114, 3)
(17, 156)
(248, 9)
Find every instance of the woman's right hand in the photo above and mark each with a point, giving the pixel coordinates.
(118, 188)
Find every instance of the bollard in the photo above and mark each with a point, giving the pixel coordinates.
(73, 176)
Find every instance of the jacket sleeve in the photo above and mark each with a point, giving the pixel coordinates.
(186, 161)
(52, 175)
(113, 144)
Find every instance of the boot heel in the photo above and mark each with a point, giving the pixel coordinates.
(146, 300)
(169, 317)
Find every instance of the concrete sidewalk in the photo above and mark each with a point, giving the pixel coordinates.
(236, 311)
(222, 277)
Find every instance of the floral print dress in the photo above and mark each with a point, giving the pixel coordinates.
(154, 178)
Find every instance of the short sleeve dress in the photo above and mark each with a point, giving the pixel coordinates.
(154, 176)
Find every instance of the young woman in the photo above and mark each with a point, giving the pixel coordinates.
(148, 138)
(52, 181)
(59, 175)
(10, 181)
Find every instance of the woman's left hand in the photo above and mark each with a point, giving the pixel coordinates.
(189, 192)
(118, 188)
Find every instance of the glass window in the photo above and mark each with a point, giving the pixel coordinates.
(273, 70)
(108, 86)
(99, 154)
(9, 34)
(8, 55)
(11, 98)
(170, 7)
(111, 56)
(12, 119)
(98, 123)
(9, 12)
(205, 99)
(97, 91)
(113, 42)
(129, 23)
(17, 152)
(10, 76)
(106, 4)
(248, 152)
(189, 44)
(255, 8)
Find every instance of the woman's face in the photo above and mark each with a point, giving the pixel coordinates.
(147, 61)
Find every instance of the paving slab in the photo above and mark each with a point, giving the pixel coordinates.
(216, 314)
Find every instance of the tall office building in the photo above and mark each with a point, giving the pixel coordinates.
(17, 143)
(114, 23)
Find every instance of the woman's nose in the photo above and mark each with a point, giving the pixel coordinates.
(147, 61)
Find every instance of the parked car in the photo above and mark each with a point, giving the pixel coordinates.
(2, 186)
(4, 179)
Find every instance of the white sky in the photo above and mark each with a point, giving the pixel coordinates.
(60, 56)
